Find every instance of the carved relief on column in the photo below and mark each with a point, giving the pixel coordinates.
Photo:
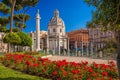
(37, 31)
(68, 46)
(48, 44)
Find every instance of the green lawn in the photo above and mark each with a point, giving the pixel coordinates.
(9, 74)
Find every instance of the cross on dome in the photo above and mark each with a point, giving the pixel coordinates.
(56, 20)
(56, 13)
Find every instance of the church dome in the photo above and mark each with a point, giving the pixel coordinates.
(56, 20)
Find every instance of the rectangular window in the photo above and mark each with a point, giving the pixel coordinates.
(54, 30)
(60, 30)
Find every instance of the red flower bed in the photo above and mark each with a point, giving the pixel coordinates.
(61, 70)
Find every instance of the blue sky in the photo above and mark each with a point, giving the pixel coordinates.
(75, 14)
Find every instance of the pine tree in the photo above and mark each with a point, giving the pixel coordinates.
(107, 13)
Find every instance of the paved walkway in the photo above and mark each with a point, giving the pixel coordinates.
(79, 59)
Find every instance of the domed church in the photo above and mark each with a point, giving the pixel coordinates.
(55, 38)
(56, 33)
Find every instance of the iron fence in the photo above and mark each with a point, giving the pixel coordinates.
(95, 55)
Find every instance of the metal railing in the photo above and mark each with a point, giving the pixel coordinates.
(95, 55)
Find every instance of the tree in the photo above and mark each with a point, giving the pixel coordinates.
(19, 20)
(15, 30)
(19, 38)
(110, 43)
(4, 20)
(109, 47)
(17, 5)
(3, 23)
(107, 13)
(4, 8)
(26, 5)
(12, 38)
(26, 40)
(11, 4)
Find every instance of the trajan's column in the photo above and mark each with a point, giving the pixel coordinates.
(38, 31)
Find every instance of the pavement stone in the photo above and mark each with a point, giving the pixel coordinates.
(79, 59)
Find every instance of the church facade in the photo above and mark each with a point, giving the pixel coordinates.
(58, 39)
(55, 38)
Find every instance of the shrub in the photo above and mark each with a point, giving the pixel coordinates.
(26, 40)
(12, 38)
(62, 70)
(32, 53)
(1, 58)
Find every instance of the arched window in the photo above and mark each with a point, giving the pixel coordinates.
(54, 30)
